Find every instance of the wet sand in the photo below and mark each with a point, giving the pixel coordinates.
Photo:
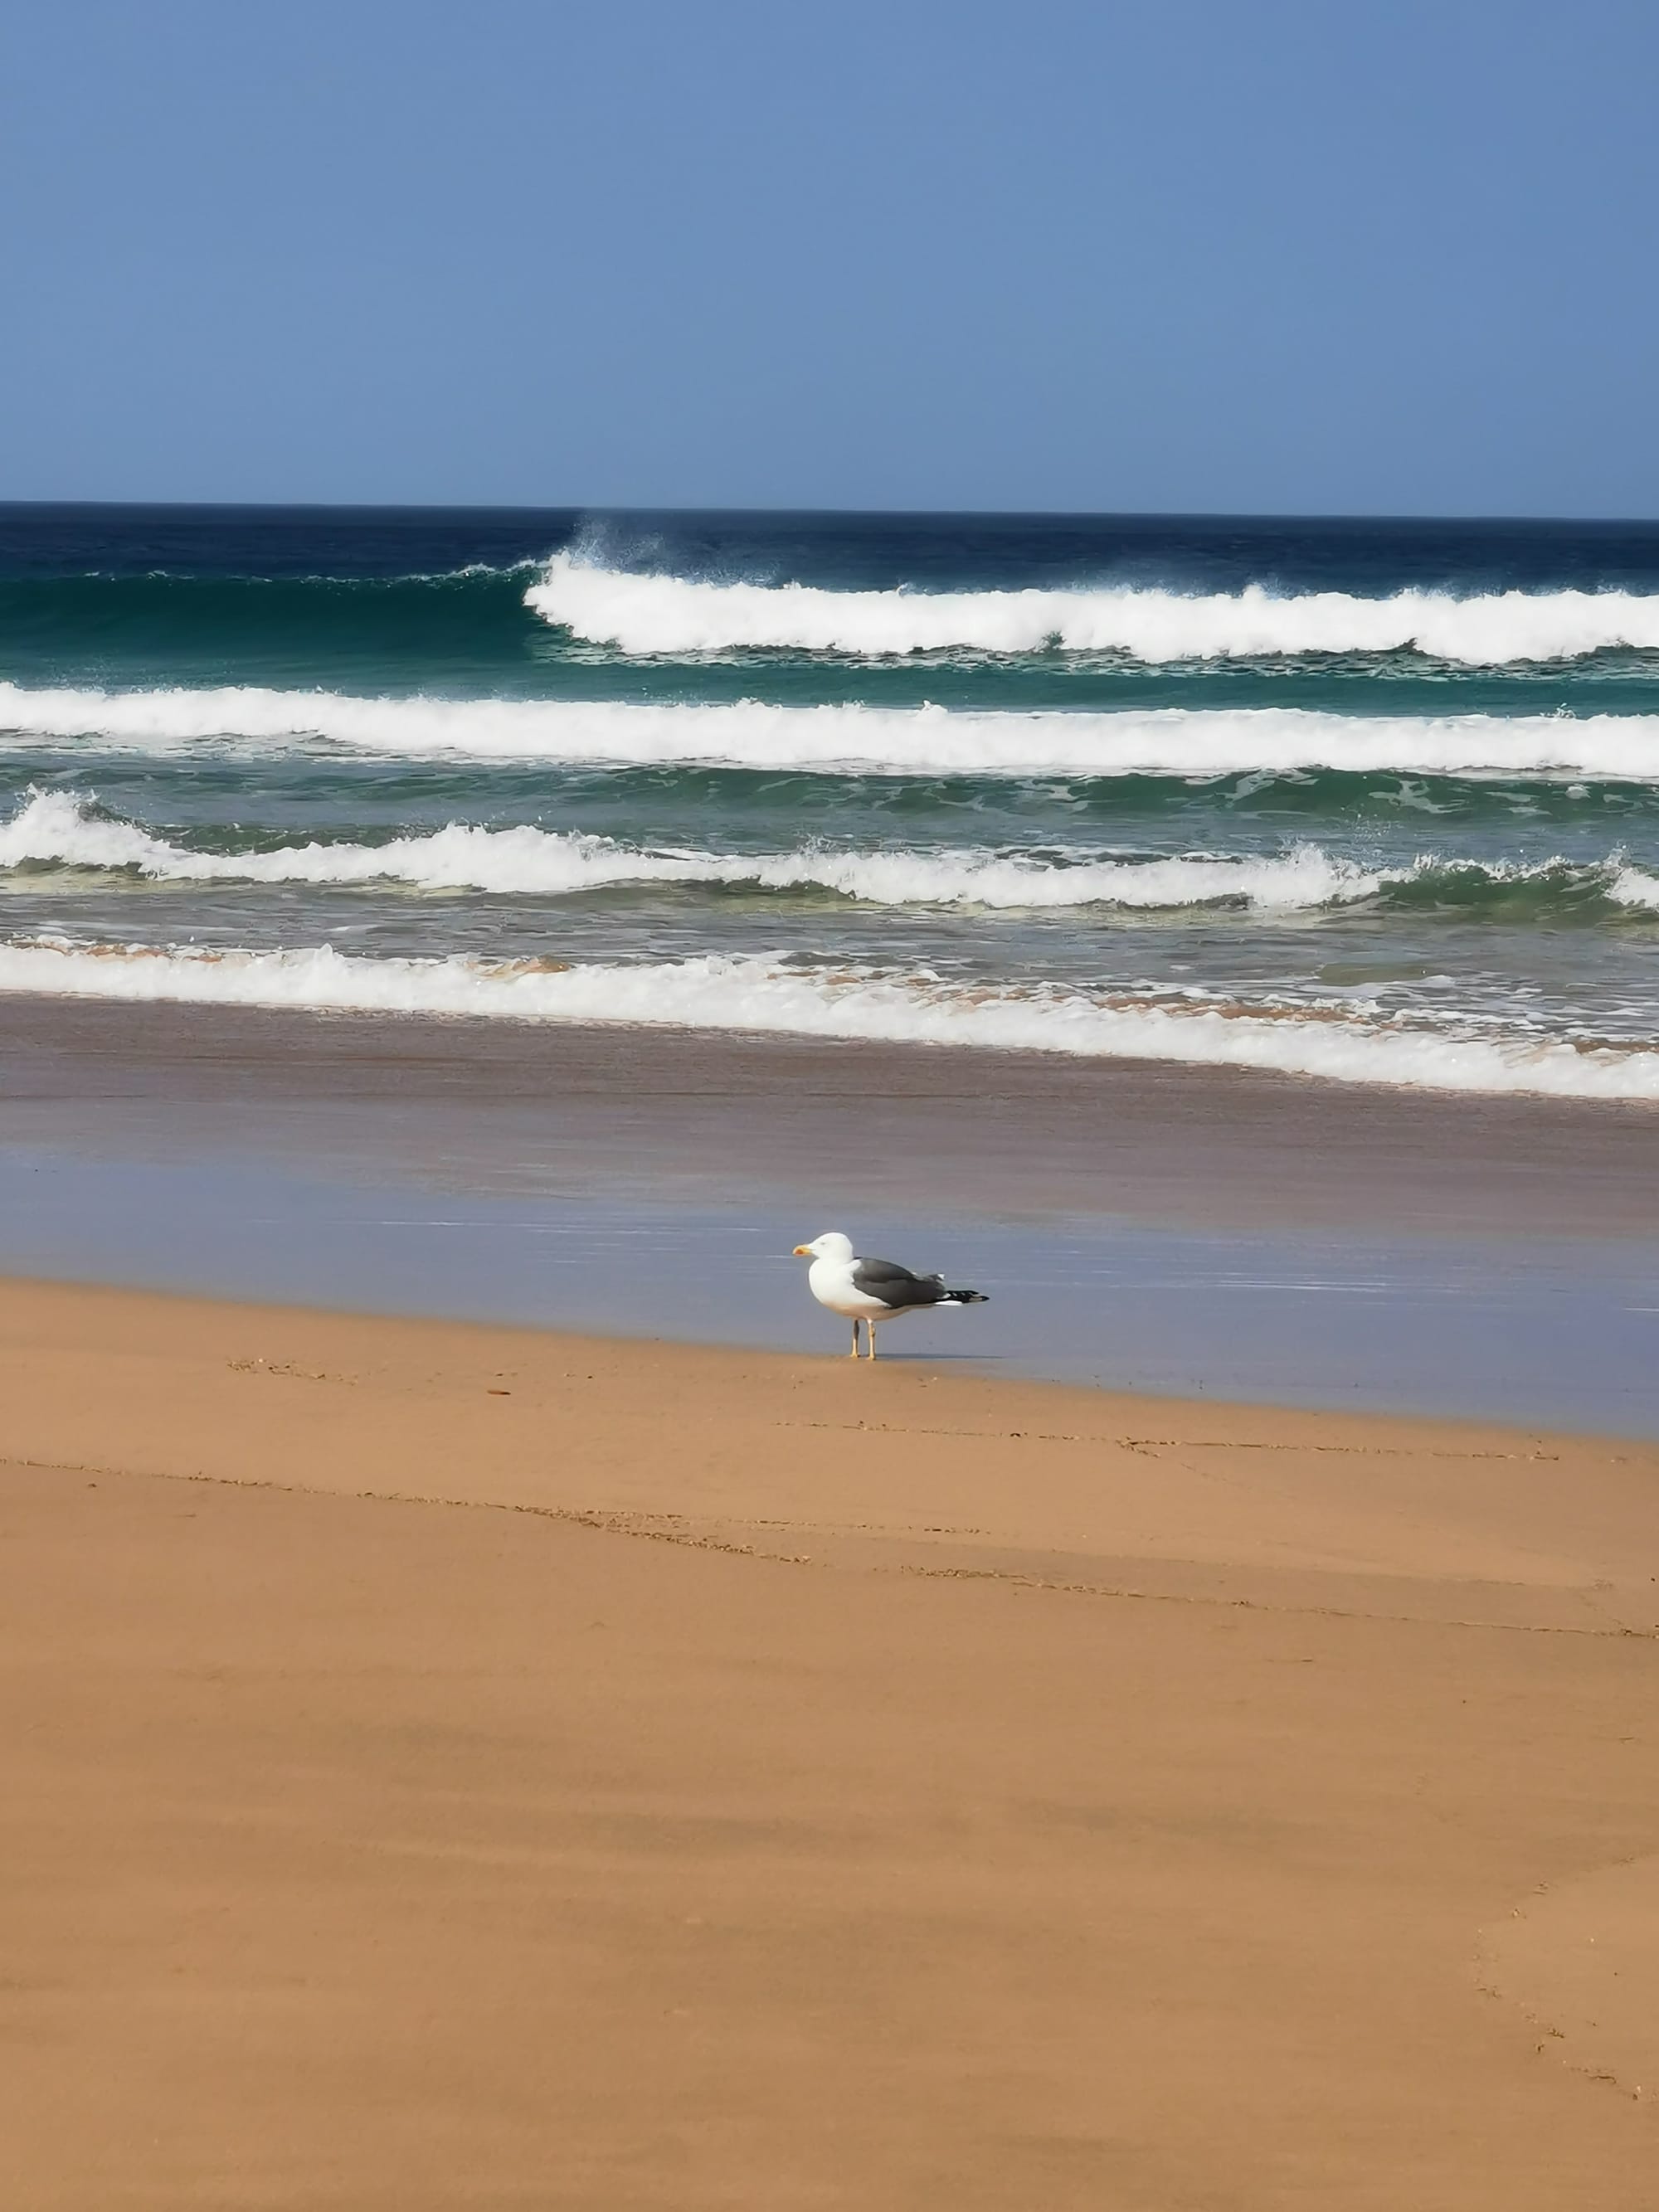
(1139, 1226)
(456, 1766)
(720, 1116)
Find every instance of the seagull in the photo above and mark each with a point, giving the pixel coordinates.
(869, 1290)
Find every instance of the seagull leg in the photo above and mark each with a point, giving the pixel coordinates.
(854, 1353)
(871, 1325)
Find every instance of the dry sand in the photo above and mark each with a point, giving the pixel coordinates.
(699, 1779)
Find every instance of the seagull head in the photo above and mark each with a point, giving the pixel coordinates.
(832, 1245)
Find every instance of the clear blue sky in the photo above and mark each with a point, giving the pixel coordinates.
(1389, 256)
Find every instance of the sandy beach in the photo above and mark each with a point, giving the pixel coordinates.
(457, 1765)
(1002, 687)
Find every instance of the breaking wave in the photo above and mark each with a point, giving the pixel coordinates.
(59, 831)
(765, 995)
(55, 829)
(665, 615)
(867, 740)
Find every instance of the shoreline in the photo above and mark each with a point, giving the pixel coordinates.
(151, 1322)
(719, 1112)
(1244, 1237)
(154, 1311)
(462, 1761)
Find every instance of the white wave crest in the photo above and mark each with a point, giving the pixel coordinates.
(669, 614)
(862, 740)
(1634, 887)
(764, 995)
(57, 828)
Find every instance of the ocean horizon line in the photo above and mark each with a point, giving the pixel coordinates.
(1335, 518)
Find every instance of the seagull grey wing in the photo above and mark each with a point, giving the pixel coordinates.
(895, 1286)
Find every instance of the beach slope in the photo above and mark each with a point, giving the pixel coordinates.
(459, 1766)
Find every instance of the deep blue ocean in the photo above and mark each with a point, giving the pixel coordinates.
(1370, 801)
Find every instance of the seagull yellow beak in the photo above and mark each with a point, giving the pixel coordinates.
(803, 1251)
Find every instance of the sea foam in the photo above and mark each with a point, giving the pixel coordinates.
(57, 828)
(858, 740)
(60, 830)
(1333, 1041)
(666, 615)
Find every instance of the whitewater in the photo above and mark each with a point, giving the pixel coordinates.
(58, 829)
(65, 830)
(766, 996)
(660, 615)
(755, 734)
(1368, 802)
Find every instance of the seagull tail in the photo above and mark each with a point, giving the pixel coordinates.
(963, 1298)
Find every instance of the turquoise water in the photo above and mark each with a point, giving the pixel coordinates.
(1371, 801)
